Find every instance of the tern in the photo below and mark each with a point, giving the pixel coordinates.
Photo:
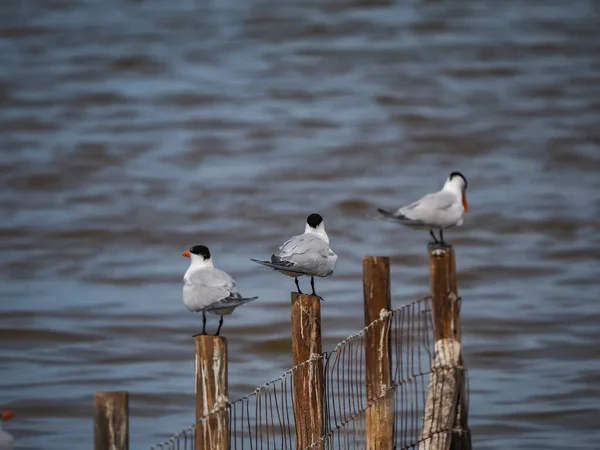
(307, 254)
(208, 289)
(437, 211)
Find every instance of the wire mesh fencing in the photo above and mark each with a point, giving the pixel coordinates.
(265, 419)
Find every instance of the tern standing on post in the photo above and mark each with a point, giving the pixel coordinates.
(307, 254)
(437, 211)
(208, 289)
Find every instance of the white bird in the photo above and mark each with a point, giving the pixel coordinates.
(208, 289)
(6, 439)
(437, 211)
(307, 254)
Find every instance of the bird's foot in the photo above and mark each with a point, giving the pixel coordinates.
(314, 294)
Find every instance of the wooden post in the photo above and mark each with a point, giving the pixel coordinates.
(212, 432)
(460, 440)
(446, 396)
(378, 302)
(308, 379)
(111, 421)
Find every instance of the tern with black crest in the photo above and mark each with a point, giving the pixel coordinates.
(307, 254)
(208, 289)
(436, 211)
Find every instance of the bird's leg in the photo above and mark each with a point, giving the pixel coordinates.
(203, 325)
(298, 285)
(442, 238)
(220, 325)
(433, 236)
(312, 285)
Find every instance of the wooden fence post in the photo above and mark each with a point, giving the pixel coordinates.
(308, 379)
(111, 421)
(212, 433)
(377, 301)
(445, 408)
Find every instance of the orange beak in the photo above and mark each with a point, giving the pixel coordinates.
(465, 204)
(7, 415)
(186, 254)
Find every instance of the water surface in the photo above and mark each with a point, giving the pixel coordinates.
(131, 130)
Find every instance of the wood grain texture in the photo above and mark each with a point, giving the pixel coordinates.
(377, 302)
(111, 421)
(446, 405)
(211, 393)
(308, 379)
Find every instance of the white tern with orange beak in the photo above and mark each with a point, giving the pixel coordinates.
(208, 289)
(437, 211)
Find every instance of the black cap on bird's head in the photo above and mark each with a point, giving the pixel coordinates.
(458, 174)
(461, 183)
(200, 250)
(314, 220)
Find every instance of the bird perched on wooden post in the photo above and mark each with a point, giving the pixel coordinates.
(208, 289)
(437, 211)
(307, 254)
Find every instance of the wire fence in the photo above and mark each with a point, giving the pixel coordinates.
(264, 419)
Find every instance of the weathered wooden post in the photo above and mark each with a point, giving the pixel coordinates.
(212, 432)
(111, 421)
(460, 440)
(308, 379)
(377, 304)
(445, 408)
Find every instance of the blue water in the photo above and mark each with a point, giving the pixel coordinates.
(133, 130)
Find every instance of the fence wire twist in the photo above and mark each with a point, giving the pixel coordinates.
(264, 419)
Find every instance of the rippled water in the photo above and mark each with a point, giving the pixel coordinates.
(131, 130)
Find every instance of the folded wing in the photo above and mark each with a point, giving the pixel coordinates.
(309, 253)
(206, 289)
(431, 210)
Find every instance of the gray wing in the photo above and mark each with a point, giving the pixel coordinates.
(308, 254)
(431, 210)
(226, 306)
(286, 267)
(438, 201)
(205, 289)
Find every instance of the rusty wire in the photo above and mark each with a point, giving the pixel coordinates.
(264, 419)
